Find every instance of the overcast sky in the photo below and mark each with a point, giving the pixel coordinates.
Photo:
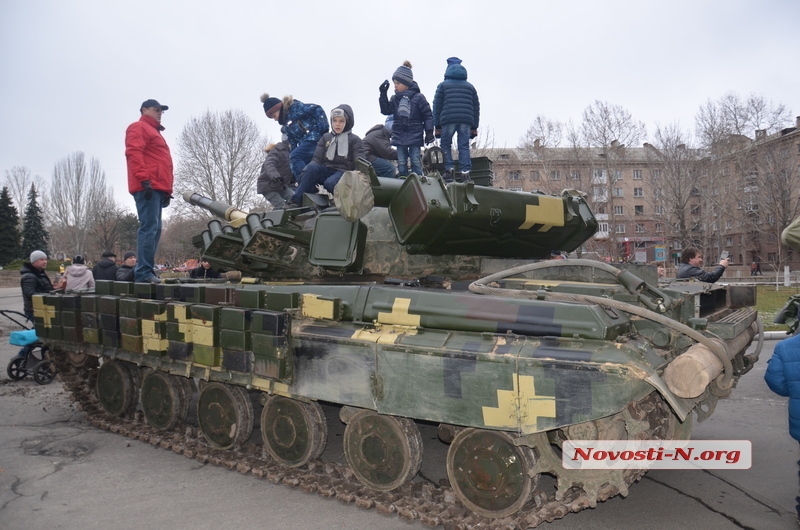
(73, 73)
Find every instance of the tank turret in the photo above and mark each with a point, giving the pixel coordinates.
(419, 224)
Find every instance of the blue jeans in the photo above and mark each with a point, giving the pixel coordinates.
(464, 161)
(406, 154)
(300, 157)
(278, 198)
(384, 168)
(148, 235)
(313, 175)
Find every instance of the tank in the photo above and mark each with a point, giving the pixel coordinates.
(413, 302)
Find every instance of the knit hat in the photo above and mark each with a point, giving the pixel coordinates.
(78, 260)
(36, 255)
(453, 60)
(109, 254)
(403, 74)
(270, 104)
(129, 254)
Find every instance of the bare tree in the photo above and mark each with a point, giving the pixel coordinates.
(219, 156)
(18, 181)
(543, 132)
(77, 191)
(176, 245)
(731, 115)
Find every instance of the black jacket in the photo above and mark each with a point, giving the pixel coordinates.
(203, 273)
(690, 271)
(378, 144)
(124, 273)
(33, 281)
(105, 269)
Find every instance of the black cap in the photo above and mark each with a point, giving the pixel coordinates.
(78, 259)
(109, 254)
(129, 254)
(152, 103)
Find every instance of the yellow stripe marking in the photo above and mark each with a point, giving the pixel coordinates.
(521, 407)
(549, 212)
(400, 315)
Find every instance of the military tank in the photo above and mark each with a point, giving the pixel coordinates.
(398, 306)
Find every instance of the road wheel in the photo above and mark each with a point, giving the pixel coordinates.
(225, 415)
(164, 401)
(293, 432)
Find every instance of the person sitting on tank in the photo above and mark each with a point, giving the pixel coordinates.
(336, 153)
(691, 263)
(276, 182)
(78, 275)
(380, 153)
(204, 271)
(302, 123)
(125, 271)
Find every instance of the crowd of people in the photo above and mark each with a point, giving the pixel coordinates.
(313, 152)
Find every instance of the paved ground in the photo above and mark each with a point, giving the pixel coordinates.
(58, 472)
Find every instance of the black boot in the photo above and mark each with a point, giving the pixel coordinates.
(448, 175)
(465, 176)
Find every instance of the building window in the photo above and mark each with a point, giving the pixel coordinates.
(555, 175)
(602, 227)
(696, 209)
(659, 210)
(637, 174)
(601, 208)
(639, 228)
(513, 175)
(599, 176)
(535, 174)
(638, 209)
(617, 175)
(728, 225)
(618, 210)
(638, 192)
(659, 227)
(600, 194)
(618, 192)
(656, 173)
(620, 229)
(575, 174)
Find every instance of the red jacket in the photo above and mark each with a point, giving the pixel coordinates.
(148, 156)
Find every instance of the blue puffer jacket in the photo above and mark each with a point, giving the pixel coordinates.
(456, 100)
(410, 125)
(783, 377)
(302, 121)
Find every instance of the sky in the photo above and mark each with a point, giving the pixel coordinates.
(73, 73)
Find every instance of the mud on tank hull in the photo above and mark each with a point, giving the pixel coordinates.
(544, 353)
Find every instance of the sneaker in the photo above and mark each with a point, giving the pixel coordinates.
(465, 177)
(448, 175)
(153, 279)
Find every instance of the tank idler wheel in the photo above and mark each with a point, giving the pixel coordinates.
(382, 451)
(293, 432)
(164, 401)
(116, 388)
(44, 372)
(16, 369)
(225, 415)
(488, 473)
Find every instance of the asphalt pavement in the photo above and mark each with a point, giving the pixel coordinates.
(56, 471)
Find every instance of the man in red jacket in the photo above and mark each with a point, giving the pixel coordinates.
(149, 181)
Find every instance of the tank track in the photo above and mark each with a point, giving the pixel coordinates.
(425, 502)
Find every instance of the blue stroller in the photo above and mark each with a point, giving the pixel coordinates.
(33, 358)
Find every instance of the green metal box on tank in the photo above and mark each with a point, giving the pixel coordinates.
(406, 311)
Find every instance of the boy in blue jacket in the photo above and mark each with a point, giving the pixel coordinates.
(783, 378)
(456, 109)
(412, 119)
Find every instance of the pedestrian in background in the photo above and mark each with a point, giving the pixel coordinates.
(106, 268)
(34, 280)
(783, 378)
(150, 182)
(125, 272)
(204, 271)
(78, 275)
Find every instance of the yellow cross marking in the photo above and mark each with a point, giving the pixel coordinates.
(549, 212)
(521, 407)
(400, 315)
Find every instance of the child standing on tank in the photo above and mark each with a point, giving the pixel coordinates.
(413, 119)
(456, 110)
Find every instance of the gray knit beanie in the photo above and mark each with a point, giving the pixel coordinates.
(36, 255)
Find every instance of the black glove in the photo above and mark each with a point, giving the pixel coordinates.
(148, 190)
(165, 200)
(438, 133)
(473, 133)
(384, 88)
(428, 137)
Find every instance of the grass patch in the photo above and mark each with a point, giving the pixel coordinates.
(770, 301)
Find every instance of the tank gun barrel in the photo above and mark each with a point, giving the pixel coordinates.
(218, 208)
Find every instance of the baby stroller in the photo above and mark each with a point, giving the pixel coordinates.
(33, 358)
